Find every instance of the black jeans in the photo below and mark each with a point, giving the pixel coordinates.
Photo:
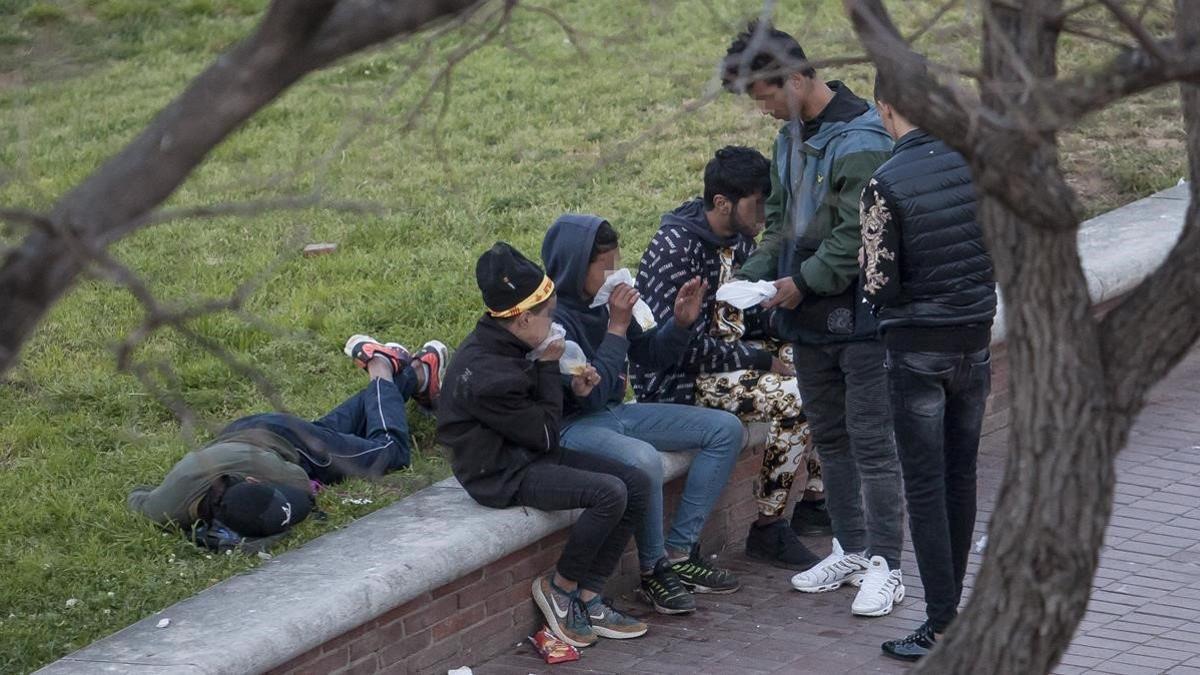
(367, 435)
(613, 497)
(844, 391)
(939, 400)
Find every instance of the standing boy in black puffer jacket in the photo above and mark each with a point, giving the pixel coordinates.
(927, 271)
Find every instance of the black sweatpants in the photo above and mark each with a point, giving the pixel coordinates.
(613, 497)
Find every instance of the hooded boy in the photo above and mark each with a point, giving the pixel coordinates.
(499, 415)
(580, 251)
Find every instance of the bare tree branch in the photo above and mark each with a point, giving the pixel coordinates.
(25, 219)
(1145, 9)
(933, 105)
(569, 30)
(294, 38)
(1137, 29)
(257, 206)
(931, 22)
(1156, 325)
(1086, 30)
(1074, 9)
(1062, 103)
(957, 118)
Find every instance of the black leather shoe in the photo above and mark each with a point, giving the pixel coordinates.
(810, 519)
(778, 544)
(911, 647)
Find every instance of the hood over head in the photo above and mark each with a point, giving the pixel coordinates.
(566, 250)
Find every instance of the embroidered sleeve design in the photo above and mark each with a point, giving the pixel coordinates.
(874, 216)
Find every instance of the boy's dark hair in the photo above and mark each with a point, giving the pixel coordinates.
(880, 81)
(605, 241)
(762, 48)
(736, 172)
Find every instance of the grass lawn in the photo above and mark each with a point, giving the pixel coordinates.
(532, 129)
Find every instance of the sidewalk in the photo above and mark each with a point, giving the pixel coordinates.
(1144, 616)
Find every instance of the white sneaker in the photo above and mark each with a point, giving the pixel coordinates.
(881, 588)
(836, 569)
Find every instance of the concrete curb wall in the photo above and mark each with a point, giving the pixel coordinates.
(395, 591)
(1119, 248)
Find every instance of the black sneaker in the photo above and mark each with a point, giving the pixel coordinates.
(911, 647)
(811, 519)
(777, 544)
(665, 591)
(698, 575)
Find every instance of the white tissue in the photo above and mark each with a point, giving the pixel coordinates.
(641, 311)
(572, 361)
(746, 294)
(557, 332)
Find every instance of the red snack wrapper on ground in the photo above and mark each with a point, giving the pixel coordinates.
(551, 648)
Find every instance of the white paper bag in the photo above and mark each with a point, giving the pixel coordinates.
(746, 294)
(573, 361)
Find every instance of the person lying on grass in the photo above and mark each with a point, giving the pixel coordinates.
(499, 416)
(257, 479)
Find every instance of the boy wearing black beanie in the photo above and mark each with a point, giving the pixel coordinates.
(499, 415)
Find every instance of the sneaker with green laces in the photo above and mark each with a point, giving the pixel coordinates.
(607, 622)
(663, 589)
(701, 577)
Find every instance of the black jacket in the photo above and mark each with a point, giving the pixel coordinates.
(498, 413)
(925, 267)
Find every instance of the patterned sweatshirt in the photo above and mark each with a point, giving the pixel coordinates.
(685, 247)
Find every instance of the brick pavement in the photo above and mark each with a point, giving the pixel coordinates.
(1144, 616)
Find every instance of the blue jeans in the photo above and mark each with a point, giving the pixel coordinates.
(939, 399)
(367, 435)
(634, 434)
(613, 498)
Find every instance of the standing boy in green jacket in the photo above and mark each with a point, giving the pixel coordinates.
(831, 143)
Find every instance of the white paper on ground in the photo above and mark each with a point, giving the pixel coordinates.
(746, 294)
(465, 670)
(641, 311)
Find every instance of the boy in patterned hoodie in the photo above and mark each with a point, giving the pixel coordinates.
(733, 364)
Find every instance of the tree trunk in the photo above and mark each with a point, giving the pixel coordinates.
(1056, 496)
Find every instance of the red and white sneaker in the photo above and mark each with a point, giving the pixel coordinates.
(435, 356)
(363, 348)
